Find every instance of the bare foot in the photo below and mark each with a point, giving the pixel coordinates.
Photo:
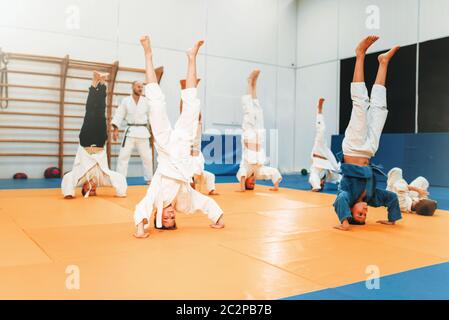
(146, 44)
(240, 190)
(213, 193)
(320, 105)
(219, 224)
(104, 76)
(365, 44)
(141, 236)
(386, 57)
(69, 197)
(386, 222)
(274, 189)
(253, 76)
(140, 231)
(96, 77)
(344, 226)
(192, 52)
(316, 190)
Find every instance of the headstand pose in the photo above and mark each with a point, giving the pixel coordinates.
(202, 179)
(170, 187)
(358, 186)
(252, 166)
(90, 169)
(413, 197)
(324, 165)
(135, 110)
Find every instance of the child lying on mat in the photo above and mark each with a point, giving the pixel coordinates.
(413, 197)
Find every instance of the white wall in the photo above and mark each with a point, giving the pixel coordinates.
(240, 35)
(329, 30)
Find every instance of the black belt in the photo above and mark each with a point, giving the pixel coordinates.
(133, 125)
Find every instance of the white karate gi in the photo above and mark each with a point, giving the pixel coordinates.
(92, 166)
(253, 161)
(171, 181)
(202, 178)
(367, 120)
(322, 168)
(135, 136)
(406, 197)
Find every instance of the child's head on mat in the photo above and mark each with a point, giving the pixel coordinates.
(89, 185)
(359, 212)
(168, 218)
(250, 183)
(425, 207)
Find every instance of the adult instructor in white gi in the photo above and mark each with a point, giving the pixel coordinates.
(135, 110)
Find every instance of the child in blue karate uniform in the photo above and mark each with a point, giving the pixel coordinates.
(358, 188)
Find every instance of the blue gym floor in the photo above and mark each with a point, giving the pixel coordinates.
(430, 282)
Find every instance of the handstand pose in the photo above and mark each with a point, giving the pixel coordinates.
(90, 169)
(358, 186)
(252, 166)
(170, 187)
(413, 197)
(324, 165)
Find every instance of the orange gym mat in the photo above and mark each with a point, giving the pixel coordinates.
(274, 245)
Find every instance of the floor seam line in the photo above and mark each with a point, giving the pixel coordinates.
(268, 263)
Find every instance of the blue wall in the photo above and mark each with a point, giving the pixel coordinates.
(222, 153)
(422, 154)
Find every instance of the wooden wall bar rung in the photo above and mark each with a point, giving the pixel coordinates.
(32, 73)
(122, 94)
(36, 128)
(28, 155)
(28, 87)
(128, 69)
(50, 115)
(91, 63)
(77, 90)
(124, 82)
(43, 101)
(27, 141)
(12, 113)
(49, 155)
(30, 57)
(88, 68)
(42, 141)
(28, 127)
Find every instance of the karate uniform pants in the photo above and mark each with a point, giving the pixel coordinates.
(367, 120)
(260, 172)
(143, 148)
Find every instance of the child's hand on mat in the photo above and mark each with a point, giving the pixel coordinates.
(389, 223)
(344, 226)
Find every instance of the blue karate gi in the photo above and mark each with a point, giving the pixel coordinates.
(356, 180)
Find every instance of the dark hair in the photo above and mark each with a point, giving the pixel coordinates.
(426, 207)
(164, 228)
(246, 186)
(352, 221)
